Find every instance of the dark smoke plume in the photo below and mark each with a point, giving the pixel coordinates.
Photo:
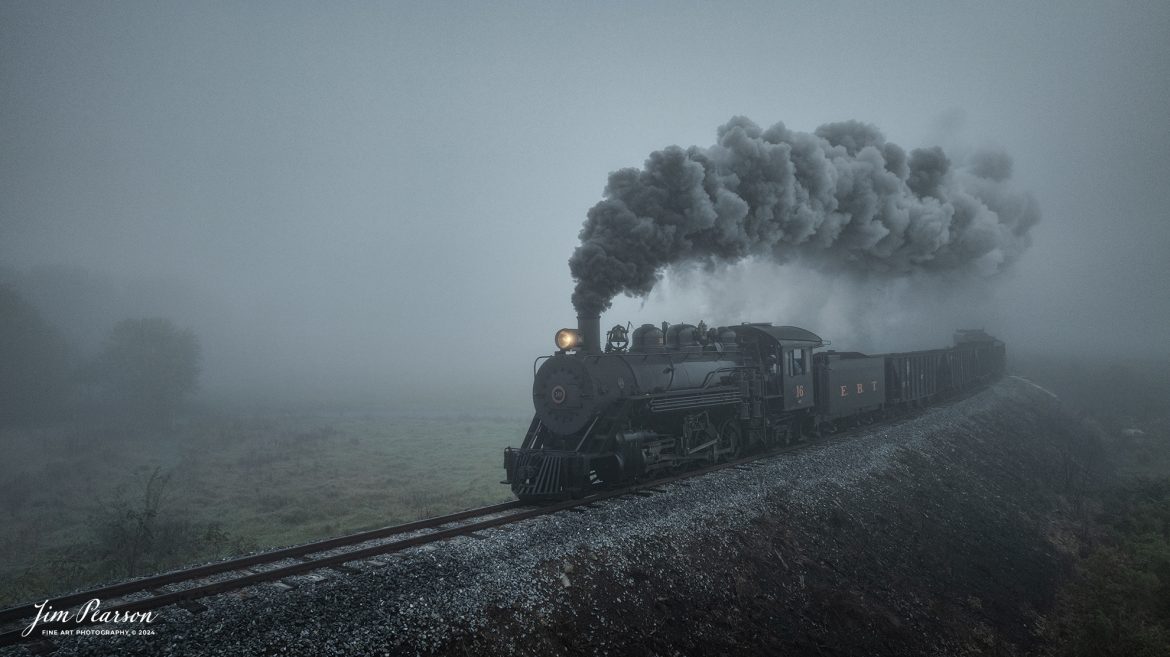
(842, 198)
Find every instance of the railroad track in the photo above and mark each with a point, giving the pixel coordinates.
(186, 587)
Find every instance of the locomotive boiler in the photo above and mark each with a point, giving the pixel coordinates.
(667, 397)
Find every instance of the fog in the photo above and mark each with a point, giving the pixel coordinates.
(375, 204)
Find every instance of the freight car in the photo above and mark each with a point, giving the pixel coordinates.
(669, 397)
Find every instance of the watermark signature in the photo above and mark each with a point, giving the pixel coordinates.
(88, 614)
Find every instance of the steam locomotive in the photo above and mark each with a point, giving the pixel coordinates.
(669, 397)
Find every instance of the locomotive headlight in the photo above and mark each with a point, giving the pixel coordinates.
(567, 339)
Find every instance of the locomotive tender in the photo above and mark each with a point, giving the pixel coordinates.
(666, 398)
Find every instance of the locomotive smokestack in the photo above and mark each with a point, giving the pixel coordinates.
(590, 328)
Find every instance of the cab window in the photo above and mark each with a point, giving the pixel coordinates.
(797, 364)
(773, 371)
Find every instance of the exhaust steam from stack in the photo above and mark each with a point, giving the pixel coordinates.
(841, 199)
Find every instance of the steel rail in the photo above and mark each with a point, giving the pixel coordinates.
(187, 574)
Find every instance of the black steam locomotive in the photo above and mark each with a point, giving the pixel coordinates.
(679, 395)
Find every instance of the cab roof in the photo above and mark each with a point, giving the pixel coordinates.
(783, 334)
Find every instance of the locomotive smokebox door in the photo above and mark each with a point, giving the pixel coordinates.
(564, 395)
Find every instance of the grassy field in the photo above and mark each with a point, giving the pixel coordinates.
(84, 505)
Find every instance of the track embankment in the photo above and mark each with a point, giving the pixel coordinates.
(938, 535)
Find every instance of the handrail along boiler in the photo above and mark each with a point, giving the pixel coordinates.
(667, 397)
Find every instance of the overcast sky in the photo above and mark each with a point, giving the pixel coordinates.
(384, 196)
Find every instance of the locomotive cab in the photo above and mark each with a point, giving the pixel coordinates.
(785, 352)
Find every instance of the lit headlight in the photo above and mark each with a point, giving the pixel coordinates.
(567, 339)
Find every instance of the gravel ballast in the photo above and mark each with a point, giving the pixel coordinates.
(928, 536)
